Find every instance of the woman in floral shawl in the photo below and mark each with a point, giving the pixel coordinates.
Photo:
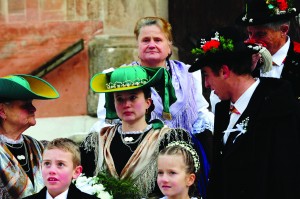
(128, 150)
(20, 155)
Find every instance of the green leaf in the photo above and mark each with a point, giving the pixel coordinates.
(119, 188)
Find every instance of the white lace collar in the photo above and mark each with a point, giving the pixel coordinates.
(3, 138)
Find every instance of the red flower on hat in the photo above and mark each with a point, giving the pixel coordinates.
(210, 45)
(255, 41)
(282, 4)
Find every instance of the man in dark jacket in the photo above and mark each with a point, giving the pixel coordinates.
(256, 143)
(268, 23)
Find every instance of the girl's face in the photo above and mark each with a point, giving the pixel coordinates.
(58, 170)
(131, 106)
(172, 179)
(153, 46)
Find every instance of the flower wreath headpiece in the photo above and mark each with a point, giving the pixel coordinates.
(190, 149)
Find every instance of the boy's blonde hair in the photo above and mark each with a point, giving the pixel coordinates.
(67, 145)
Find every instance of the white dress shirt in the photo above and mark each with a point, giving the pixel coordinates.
(241, 104)
(278, 61)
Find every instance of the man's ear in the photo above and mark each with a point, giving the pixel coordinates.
(77, 171)
(225, 71)
(284, 29)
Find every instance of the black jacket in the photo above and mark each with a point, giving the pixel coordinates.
(264, 162)
(73, 193)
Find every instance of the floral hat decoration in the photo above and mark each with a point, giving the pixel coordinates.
(127, 78)
(25, 87)
(222, 50)
(258, 12)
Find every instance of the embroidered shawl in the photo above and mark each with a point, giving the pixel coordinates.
(142, 166)
(14, 182)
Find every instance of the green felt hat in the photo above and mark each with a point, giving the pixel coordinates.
(127, 78)
(25, 87)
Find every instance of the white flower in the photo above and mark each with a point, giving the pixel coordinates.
(242, 127)
(91, 186)
(89, 189)
(99, 187)
(104, 195)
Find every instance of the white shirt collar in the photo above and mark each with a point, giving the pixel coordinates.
(280, 55)
(242, 103)
(63, 195)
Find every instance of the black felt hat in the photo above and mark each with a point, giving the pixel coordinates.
(224, 50)
(258, 12)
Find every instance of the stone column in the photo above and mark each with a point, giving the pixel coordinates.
(117, 45)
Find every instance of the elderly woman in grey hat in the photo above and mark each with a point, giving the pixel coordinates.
(20, 155)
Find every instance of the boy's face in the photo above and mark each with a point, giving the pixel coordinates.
(58, 170)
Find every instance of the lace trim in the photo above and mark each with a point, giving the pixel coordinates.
(148, 127)
(91, 143)
(11, 141)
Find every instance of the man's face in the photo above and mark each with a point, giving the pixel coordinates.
(274, 39)
(216, 82)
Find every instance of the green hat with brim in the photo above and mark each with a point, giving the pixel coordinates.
(127, 78)
(25, 87)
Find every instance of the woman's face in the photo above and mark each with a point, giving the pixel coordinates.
(131, 106)
(19, 114)
(153, 46)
